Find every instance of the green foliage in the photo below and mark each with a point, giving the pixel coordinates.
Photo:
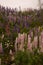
(21, 58)
(28, 58)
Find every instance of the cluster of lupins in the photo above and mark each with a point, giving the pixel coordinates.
(33, 40)
(18, 21)
(13, 22)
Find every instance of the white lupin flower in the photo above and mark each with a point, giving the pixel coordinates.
(2, 36)
(29, 45)
(35, 42)
(11, 52)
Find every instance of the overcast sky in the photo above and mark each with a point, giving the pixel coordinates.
(22, 3)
